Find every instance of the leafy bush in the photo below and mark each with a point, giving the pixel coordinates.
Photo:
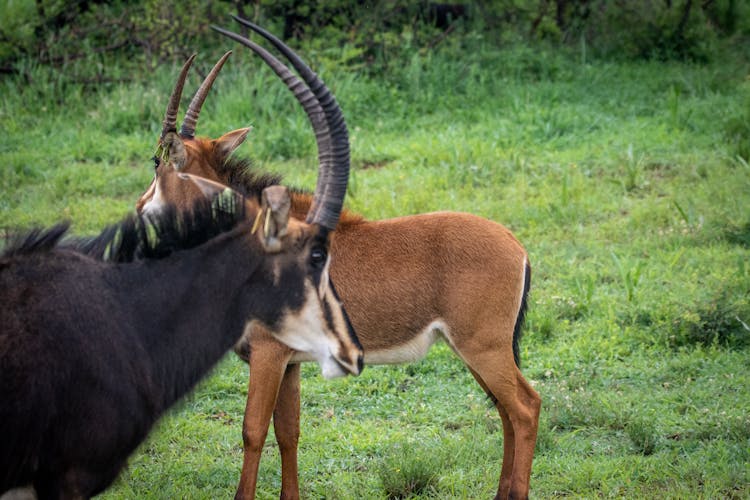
(375, 36)
(642, 29)
(719, 319)
(57, 33)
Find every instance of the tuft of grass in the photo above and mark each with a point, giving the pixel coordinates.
(643, 434)
(412, 469)
(630, 275)
(718, 320)
(633, 170)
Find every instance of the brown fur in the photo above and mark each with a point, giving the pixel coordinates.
(396, 277)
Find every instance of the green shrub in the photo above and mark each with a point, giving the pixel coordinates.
(721, 319)
(411, 469)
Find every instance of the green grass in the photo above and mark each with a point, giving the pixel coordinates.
(628, 183)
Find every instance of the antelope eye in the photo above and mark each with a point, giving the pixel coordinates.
(318, 256)
(157, 162)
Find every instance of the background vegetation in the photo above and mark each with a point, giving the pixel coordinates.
(612, 137)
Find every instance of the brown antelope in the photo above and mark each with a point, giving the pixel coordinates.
(405, 282)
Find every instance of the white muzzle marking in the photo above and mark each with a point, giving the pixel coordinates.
(306, 331)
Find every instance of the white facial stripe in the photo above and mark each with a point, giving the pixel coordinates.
(156, 203)
(324, 279)
(340, 323)
(150, 191)
(306, 331)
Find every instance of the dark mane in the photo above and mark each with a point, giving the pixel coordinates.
(141, 237)
(35, 240)
(241, 176)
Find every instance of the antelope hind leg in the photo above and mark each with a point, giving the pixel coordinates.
(508, 442)
(519, 406)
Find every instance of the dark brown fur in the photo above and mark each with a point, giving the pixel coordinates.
(98, 337)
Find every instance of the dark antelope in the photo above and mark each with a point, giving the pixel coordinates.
(405, 282)
(100, 337)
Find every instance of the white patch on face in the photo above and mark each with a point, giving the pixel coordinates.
(324, 279)
(154, 205)
(413, 349)
(304, 331)
(330, 369)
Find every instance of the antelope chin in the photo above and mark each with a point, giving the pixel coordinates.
(330, 368)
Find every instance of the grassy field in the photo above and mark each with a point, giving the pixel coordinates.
(628, 183)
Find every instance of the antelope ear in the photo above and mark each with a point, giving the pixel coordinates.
(275, 213)
(177, 154)
(210, 189)
(227, 143)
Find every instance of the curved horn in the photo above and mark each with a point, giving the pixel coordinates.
(311, 106)
(170, 117)
(338, 175)
(332, 178)
(187, 130)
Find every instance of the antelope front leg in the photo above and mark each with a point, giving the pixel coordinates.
(268, 361)
(286, 425)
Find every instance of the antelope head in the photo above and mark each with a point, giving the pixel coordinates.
(324, 332)
(182, 152)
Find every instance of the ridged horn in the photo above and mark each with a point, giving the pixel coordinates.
(170, 116)
(309, 103)
(332, 197)
(333, 143)
(187, 130)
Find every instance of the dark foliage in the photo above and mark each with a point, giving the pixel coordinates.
(374, 32)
